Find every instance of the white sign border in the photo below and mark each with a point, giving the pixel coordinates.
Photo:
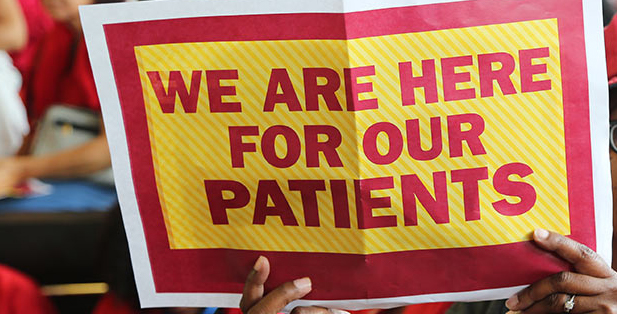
(95, 16)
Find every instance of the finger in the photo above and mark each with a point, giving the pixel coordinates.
(4, 191)
(284, 294)
(563, 282)
(6, 185)
(254, 286)
(555, 303)
(316, 310)
(584, 259)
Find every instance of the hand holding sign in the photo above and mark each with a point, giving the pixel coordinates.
(594, 283)
(11, 175)
(339, 137)
(253, 299)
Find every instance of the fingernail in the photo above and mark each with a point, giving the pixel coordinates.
(512, 301)
(541, 234)
(335, 311)
(303, 284)
(258, 263)
(513, 312)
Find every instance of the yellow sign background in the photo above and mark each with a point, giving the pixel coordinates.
(190, 148)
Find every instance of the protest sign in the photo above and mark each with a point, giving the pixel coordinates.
(393, 151)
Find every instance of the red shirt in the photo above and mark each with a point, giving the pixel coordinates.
(425, 308)
(38, 23)
(61, 74)
(19, 294)
(110, 304)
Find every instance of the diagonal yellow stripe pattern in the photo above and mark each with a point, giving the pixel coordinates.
(523, 128)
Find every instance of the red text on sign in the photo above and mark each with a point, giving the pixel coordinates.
(453, 73)
(271, 201)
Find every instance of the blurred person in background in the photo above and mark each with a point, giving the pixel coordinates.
(13, 31)
(13, 121)
(60, 75)
(18, 293)
(118, 273)
(38, 24)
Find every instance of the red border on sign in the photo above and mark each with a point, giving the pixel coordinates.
(348, 275)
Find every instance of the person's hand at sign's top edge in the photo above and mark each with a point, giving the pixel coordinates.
(591, 288)
(255, 302)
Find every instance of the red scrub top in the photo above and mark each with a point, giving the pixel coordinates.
(38, 23)
(61, 74)
(19, 294)
(110, 304)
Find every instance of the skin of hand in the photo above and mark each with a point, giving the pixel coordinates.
(593, 282)
(255, 302)
(66, 11)
(74, 162)
(13, 29)
(71, 163)
(12, 173)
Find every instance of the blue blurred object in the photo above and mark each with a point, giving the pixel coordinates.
(67, 195)
(210, 310)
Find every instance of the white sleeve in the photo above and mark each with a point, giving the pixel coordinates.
(13, 119)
